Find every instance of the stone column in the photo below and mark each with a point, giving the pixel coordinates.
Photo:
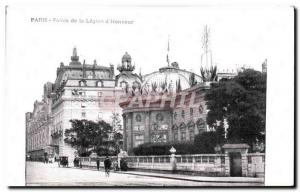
(147, 127)
(244, 163)
(173, 159)
(227, 164)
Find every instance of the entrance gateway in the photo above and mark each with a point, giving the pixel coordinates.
(235, 164)
(236, 159)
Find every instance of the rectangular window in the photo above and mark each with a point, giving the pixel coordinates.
(139, 139)
(163, 127)
(139, 128)
(175, 136)
(183, 136)
(191, 112)
(192, 135)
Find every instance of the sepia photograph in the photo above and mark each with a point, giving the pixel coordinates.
(144, 96)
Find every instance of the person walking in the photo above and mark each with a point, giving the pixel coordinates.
(98, 164)
(107, 164)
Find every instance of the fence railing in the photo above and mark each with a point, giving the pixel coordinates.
(208, 164)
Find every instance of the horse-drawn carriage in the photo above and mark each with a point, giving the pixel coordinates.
(63, 161)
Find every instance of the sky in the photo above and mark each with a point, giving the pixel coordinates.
(239, 36)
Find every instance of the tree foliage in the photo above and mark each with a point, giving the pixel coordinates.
(89, 136)
(207, 141)
(164, 148)
(117, 131)
(241, 104)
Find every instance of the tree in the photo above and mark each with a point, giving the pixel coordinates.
(241, 103)
(89, 136)
(207, 141)
(117, 131)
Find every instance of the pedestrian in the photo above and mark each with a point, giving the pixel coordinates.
(107, 164)
(115, 165)
(98, 164)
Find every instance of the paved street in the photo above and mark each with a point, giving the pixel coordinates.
(40, 174)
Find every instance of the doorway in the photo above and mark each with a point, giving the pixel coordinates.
(235, 164)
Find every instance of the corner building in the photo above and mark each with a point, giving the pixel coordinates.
(170, 118)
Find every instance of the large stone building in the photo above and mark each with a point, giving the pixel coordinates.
(80, 91)
(164, 118)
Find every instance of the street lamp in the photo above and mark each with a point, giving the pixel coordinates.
(172, 150)
(173, 159)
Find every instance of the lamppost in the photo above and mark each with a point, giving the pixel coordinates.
(173, 159)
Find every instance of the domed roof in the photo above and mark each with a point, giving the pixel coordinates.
(167, 78)
(126, 58)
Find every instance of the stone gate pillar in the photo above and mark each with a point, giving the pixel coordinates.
(236, 158)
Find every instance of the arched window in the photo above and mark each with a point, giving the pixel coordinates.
(175, 127)
(182, 126)
(200, 125)
(138, 118)
(191, 125)
(123, 84)
(175, 115)
(159, 117)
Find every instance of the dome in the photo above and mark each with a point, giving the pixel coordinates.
(167, 78)
(126, 58)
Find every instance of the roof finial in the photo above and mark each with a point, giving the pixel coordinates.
(74, 57)
(74, 51)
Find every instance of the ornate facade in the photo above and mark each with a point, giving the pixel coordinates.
(80, 91)
(164, 117)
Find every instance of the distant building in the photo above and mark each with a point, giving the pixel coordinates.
(78, 93)
(38, 128)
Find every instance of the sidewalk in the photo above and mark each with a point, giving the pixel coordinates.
(188, 177)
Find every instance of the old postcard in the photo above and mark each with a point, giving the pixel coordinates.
(152, 96)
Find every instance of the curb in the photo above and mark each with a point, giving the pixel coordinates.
(176, 178)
